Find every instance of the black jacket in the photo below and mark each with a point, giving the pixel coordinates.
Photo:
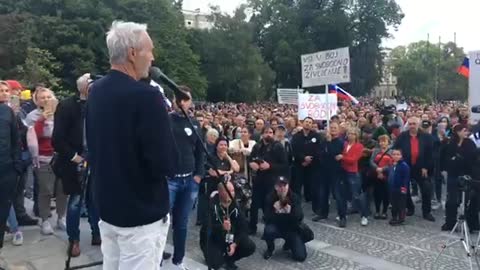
(425, 151)
(217, 214)
(274, 154)
(285, 222)
(67, 140)
(190, 147)
(333, 148)
(309, 145)
(459, 160)
(9, 141)
(131, 150)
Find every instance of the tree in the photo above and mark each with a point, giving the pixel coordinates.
(39, 67)
(73, 31)
(231, 60)
(425, 70)
(286, 29)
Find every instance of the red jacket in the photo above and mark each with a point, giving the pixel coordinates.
(351, 157)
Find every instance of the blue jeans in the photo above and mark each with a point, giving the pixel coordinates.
(359, 200)
(346, 184)
(74, 210)
(12, 220)
(183, 192)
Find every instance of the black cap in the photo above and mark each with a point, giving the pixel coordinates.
(281, 127)
(282, 180)
(426, 124)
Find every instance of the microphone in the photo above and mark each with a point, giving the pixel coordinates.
(156, 74)
(476, 109)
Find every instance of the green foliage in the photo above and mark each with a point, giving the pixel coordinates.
(73, 31)
(39, 68)
(422, 67)
(232, 63)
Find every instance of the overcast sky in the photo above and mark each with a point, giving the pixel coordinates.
(422, 17)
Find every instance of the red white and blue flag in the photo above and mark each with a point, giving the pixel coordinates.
(464, 69)
(342, 94)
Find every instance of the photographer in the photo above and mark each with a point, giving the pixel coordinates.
(228, 240)
(70, 146)
(283, 216)
(458, 159)
(269, 161)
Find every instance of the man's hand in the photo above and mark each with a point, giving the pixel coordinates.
(254, 166)
(197, 179)
(338, 157)
(305, 164)
(264, 166)
(308, 159)
(424, 173)
(212, 173)
(77, 159)
(379, 170)
(35, 162)
(233, 248)
(227, 226)
(288, 208)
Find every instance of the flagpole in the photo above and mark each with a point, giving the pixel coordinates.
(328, 106)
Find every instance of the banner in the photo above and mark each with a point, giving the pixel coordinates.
(327, 67)
(288, 96)
(316, 106)
(474, 85)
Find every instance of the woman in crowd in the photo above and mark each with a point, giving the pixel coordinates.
(226, 167)
(241, 148)
(381, 158)
(352, 152)
(40, 123)
(458, 159)
(211, 136)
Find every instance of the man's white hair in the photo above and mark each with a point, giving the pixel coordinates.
(122, 36)
(83, 81)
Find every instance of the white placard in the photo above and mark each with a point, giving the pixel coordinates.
(327, 67)
(316, 106)
(474, 85)
(288, 96)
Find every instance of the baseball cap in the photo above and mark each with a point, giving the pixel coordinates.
(281, 127)
(426, 124)
(282, 180)
(14, 84)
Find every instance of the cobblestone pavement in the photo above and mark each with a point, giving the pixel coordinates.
(377, 246)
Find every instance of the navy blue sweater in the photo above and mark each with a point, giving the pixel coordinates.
(398, 176)
(131, 150)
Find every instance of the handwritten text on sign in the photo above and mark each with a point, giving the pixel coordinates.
(316, 106)
(327, 67)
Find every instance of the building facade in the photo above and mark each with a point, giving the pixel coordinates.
(388, 85)
(195, 19)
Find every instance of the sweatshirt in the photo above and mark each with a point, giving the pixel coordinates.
(131, 150)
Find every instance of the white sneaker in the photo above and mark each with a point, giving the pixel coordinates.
(62, 224)
(416, 199)
(46, 228)
(17, 239)
(364, 221)
(180, 266)
(436, 205)
(8, 237)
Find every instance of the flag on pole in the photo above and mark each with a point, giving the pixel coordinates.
(464, 69)
(342, 94)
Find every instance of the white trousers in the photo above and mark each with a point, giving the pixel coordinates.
(137, 248)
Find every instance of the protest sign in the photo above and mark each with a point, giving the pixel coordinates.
(327, 67)
(474, 85)
(317, 106)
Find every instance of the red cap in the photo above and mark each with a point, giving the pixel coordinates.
(14, 84)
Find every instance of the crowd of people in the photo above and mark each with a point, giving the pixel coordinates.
(367, 159)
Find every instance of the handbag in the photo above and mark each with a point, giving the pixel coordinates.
(306, 233)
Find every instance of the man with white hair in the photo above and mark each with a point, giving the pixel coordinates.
(70, 145)
(131, 151)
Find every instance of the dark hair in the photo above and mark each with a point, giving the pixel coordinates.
(457, 128)
(397, 149)
(308, 117)
(267, 127)
(185, 89)
(219, 140)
